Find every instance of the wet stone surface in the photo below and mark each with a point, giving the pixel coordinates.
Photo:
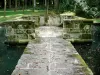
(52, 55)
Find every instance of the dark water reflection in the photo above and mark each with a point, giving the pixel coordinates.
(9, 55)
(91, 56)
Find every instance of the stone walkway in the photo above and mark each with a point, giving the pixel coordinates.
(50, 55)
(53, 20)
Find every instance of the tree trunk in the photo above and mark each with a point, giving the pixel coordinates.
(10, 4)
(45, 3)
(34, 4)
(5, 2)
(25, 4)
(56, 2)
(19, 4)
(56, 5)
(46, 13)
(30, 3)
(15, 5)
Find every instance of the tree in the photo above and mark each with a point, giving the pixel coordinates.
(10, 4)
(45, 3)
(15, 5)
(56, 3)
(23, 6)
(46, 13)
(34, 4)
(5, 2)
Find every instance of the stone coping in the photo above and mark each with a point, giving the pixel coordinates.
(85, 20)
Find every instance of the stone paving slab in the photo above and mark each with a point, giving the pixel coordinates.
(50, 56)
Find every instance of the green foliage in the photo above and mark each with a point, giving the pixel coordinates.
(85, 8)
(66, 5)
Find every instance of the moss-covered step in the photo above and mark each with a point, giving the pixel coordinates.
(96, 21)
(17, 42)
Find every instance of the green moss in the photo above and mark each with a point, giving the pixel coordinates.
(23, 41)
(18, 41)
(96, 20)
(85, 68)
(26, 51)
(37, 40)
(79, 40)
(81, 60)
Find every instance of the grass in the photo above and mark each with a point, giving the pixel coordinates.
(31, 12)
(11, 14)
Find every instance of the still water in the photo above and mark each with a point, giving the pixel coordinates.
(90, 56)
(9, 54)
